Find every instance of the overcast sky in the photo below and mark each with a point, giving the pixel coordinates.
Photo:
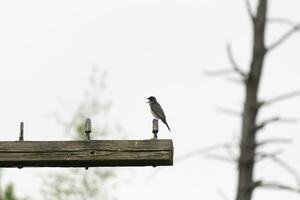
(160, 48)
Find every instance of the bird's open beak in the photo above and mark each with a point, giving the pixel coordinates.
(147, 99)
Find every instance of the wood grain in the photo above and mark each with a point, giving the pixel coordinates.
(93, 153)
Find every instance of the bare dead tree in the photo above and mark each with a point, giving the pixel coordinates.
(252, 105)
(248, 148)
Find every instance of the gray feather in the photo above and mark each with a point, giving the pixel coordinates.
(158, 112)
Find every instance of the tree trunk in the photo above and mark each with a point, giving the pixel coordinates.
(251, 107)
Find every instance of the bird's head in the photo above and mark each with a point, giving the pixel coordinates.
(151, 99)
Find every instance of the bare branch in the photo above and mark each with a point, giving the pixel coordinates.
(250, 13)
(220, 72)
(274, 119)
(274, 140)
(288, 168)
(197, 152)
(231, 155)
(266, 122)
(281, 21)
(220, 158)
(230, 152)
(274, 157)
(262, 156)
(222, 194)
(203, 150)
(288, 120)
(285, 36)
(229, 111)
(235, 66)
(280, 98)
(224, 72)
(236, 80)
(274, 185)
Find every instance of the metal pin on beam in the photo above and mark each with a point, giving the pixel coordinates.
(87, 130)
(155, 128)
(21, 137)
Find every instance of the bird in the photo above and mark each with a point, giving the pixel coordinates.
(157, 111)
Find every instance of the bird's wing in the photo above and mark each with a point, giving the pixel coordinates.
(157, 110)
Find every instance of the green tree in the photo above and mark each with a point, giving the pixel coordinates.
(78, 183)
(7, 192)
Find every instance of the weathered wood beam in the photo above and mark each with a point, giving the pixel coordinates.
(93, 153)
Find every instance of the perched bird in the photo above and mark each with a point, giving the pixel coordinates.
(157, 111)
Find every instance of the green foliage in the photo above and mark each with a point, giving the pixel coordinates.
(9, 193)
(78, 184)
(94, 105)
(81, 184)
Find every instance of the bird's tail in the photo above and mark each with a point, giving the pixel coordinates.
(165, 122)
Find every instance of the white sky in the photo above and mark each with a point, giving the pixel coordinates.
(48, 48)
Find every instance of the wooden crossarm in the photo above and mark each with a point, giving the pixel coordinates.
(93, 153)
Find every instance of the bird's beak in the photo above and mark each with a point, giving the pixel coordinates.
(147, 99)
